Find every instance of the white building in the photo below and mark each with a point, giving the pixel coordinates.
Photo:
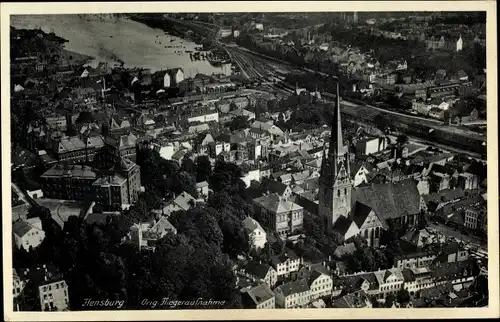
(459, 44)
(361, 176)
(259, 26)
(143, 233)
(183, 201)
(205, 117)
(320, 285)
(173, 77)
(202, 188)
(225, 32)
(370, 145)
(286, 263)
(389, 281)
(166, 151)
(259, 297)
(293, 294)
(251, 176)
(236, 33)
(257, 235)
(28, 233)
(222, 147)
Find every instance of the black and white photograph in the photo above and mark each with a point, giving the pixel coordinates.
(249, 159)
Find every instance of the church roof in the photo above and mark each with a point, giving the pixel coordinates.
(360, 212)
(342, 225)
(390, 200)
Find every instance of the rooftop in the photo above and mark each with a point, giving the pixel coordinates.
(273, 202)
(260, 293)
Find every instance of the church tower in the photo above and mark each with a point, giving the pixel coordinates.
(335, 183)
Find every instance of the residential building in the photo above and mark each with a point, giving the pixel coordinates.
(183, 202)
(474, 217)
(320, 285)
(202, 188)
(259, 272)
(468, 181)
(56, 122)
(28, 233)
(144, 235)
(414, 260)
(50, 288)
(256, 234)
(370, 145)
(357, 300)
(293, 294)
(170, 78)
(435, 43)
(259, 297)
(17, 284)
(204, 117)
(286, 263)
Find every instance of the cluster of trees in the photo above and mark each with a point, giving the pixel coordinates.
(192, 264)
(166, 177)
(371, 259)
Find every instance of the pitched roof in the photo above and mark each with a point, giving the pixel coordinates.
(295, 287)
(115, 180)
(74, 171)
(274, 203)
(288, 255)
(444, 195)
(161, 226)
(68, 144)
(183, 200)
(260, 293)
(342, 225)
(354, 282)
(353, 300)
(360, 212)
(274, 186)
(256, 269)
(390, 200)
(251, 224)
(21, 228)
(313, 276)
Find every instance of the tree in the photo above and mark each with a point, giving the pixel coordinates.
(203, 168)
(389, 300)
(238, 123)
(403, 296)
(382, 122)
(188, 165)
(402, 139)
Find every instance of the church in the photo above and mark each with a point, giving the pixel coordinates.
(365, 211)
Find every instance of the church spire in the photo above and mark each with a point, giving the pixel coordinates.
(336, 142)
